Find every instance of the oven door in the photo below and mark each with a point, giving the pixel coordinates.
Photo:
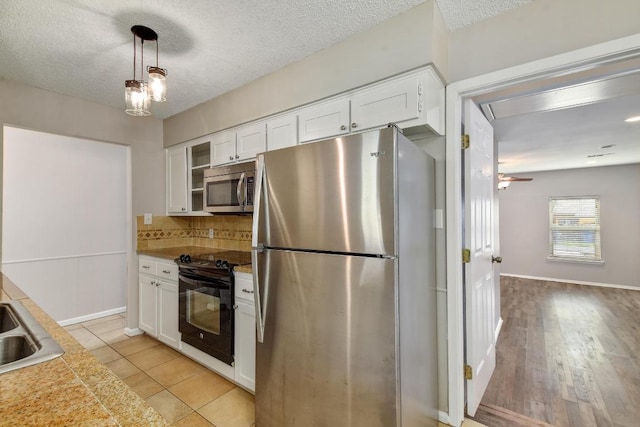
(231, 193)
(206, 315)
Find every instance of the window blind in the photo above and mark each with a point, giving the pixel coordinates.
(574, 228)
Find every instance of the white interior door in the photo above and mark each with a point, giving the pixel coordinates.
(479, 239)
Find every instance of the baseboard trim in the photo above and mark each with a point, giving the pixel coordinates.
(132, 332)
(92, 316)
(443, 417)
(574, 282)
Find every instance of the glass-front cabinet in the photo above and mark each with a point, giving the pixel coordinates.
(199, 160)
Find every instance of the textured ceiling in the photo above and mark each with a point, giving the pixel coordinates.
(84, 48)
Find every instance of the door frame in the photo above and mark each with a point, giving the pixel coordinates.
(455, 93)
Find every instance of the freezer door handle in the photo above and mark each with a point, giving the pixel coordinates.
(256, 295)
(257, 199)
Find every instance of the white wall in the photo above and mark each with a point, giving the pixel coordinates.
(64, 235)
(524, 222)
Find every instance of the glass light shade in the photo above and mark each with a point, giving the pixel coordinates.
(157, 84)
(136, 98)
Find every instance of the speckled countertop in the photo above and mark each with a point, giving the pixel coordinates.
(72, 390)
(174, 252)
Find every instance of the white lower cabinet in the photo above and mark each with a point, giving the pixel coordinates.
(158, 300)
(245, 332)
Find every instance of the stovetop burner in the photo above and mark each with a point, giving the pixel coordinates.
(217, 260)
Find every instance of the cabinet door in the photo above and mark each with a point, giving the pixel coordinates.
(177, 180)
(245, 345)
(282, 132)
(148, 304)
(168, 314)
(251, 140)
(223, 148)
(392, 102)
(324, 120)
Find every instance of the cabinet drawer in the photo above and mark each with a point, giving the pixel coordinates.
(244, 287)
(167, 271)
(147, 266)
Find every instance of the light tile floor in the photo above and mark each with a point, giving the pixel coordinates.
(181, 390)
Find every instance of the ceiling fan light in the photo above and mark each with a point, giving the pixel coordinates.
(502, 185)
(157, 84)
(136, 98)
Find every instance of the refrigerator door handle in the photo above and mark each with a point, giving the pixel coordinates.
(256, 296)
(256, 248)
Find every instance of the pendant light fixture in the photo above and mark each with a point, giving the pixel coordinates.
(139, 93)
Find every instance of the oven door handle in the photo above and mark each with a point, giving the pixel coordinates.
(193, 281)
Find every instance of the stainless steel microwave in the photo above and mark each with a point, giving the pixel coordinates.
(229, 189)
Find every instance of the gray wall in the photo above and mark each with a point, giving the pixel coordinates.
(36, 109)
(538, 30)
(40, 110)
(524, 224)
(412, 39)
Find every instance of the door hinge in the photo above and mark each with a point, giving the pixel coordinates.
(468, 372)
(466, 141)
(466, 256)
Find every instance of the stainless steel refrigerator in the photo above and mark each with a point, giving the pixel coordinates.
(344, 271)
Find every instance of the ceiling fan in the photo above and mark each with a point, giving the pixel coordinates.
(504, 181)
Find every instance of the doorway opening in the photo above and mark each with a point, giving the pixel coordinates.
(560, 71)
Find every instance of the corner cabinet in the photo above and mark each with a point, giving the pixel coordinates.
(245, 332)
(158, 300)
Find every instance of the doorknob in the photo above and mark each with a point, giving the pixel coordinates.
(497, 259)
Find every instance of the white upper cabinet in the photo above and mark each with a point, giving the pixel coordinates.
(223, 148)
(282, 132)
(250, 140)
(324, 120)
(238, 144)
(177, 180)
(397, 101)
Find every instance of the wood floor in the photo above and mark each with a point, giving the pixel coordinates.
(568, 355)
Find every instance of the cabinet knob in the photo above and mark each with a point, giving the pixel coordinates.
(184, 209)
(343, 127)
(166, 271)
(354, 125)
(247, 291)
(237, 157)
(230, 157)
(235, 306)
(146, 266)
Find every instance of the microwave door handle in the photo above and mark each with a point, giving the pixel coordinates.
(240, 190)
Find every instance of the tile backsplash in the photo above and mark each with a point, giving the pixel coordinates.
(229, 232)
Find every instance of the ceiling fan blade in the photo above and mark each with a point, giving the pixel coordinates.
(502, 177)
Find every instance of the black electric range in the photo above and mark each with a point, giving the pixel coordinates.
(206, 301)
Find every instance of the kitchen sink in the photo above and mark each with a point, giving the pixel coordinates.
(23, 342)
(7, 319)
(15, 347)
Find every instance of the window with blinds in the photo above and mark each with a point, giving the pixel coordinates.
(574, 228)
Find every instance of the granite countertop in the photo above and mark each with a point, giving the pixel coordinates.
(174, 252)
(73, 389)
